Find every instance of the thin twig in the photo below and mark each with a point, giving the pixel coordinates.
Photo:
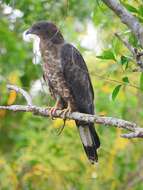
(21, 91)
(132, 23)
(126, 43)
(45, 112)
(137, 55)
(115, 81)
(127, 18)
(138, 133)
(140, 53)
(138, 69)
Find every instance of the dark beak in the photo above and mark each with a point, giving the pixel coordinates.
(30, 31)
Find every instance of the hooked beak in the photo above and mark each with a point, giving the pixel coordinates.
(30, 31)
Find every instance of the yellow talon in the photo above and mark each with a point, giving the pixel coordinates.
(55, 108)
(66, 111)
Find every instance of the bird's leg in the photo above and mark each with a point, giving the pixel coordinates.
(67, 110)
(64, 112)
(56, 107)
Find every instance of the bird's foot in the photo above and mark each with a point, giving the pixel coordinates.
(52, 111)
(56, 107)
(66, 112)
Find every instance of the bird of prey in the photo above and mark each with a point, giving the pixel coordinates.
(66, 73)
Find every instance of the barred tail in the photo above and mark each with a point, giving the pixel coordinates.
(90, 141)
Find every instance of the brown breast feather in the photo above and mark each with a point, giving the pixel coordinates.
(52, 70)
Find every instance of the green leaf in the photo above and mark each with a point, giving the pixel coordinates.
(130, 8)
(124, 60)
(107, 54)
(126, 66)
(140, 11)
(141, 81)
(125, 79)
(116, 91)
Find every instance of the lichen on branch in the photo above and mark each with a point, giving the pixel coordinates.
(136, 131)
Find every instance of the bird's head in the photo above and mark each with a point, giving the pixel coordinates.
(46, 30)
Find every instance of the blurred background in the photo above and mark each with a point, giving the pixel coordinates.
(32, 154)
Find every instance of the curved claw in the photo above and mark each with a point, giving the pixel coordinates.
(62, 128)
(52, 112)
(65, 112)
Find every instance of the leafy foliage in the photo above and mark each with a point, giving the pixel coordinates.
(32, 155)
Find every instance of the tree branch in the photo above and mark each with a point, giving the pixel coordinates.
(21, 91)
(137, 55)
(127, 18)
(45, 112)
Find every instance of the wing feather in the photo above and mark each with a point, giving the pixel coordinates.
(77, 77)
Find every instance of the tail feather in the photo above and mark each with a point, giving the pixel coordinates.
(90, 141)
